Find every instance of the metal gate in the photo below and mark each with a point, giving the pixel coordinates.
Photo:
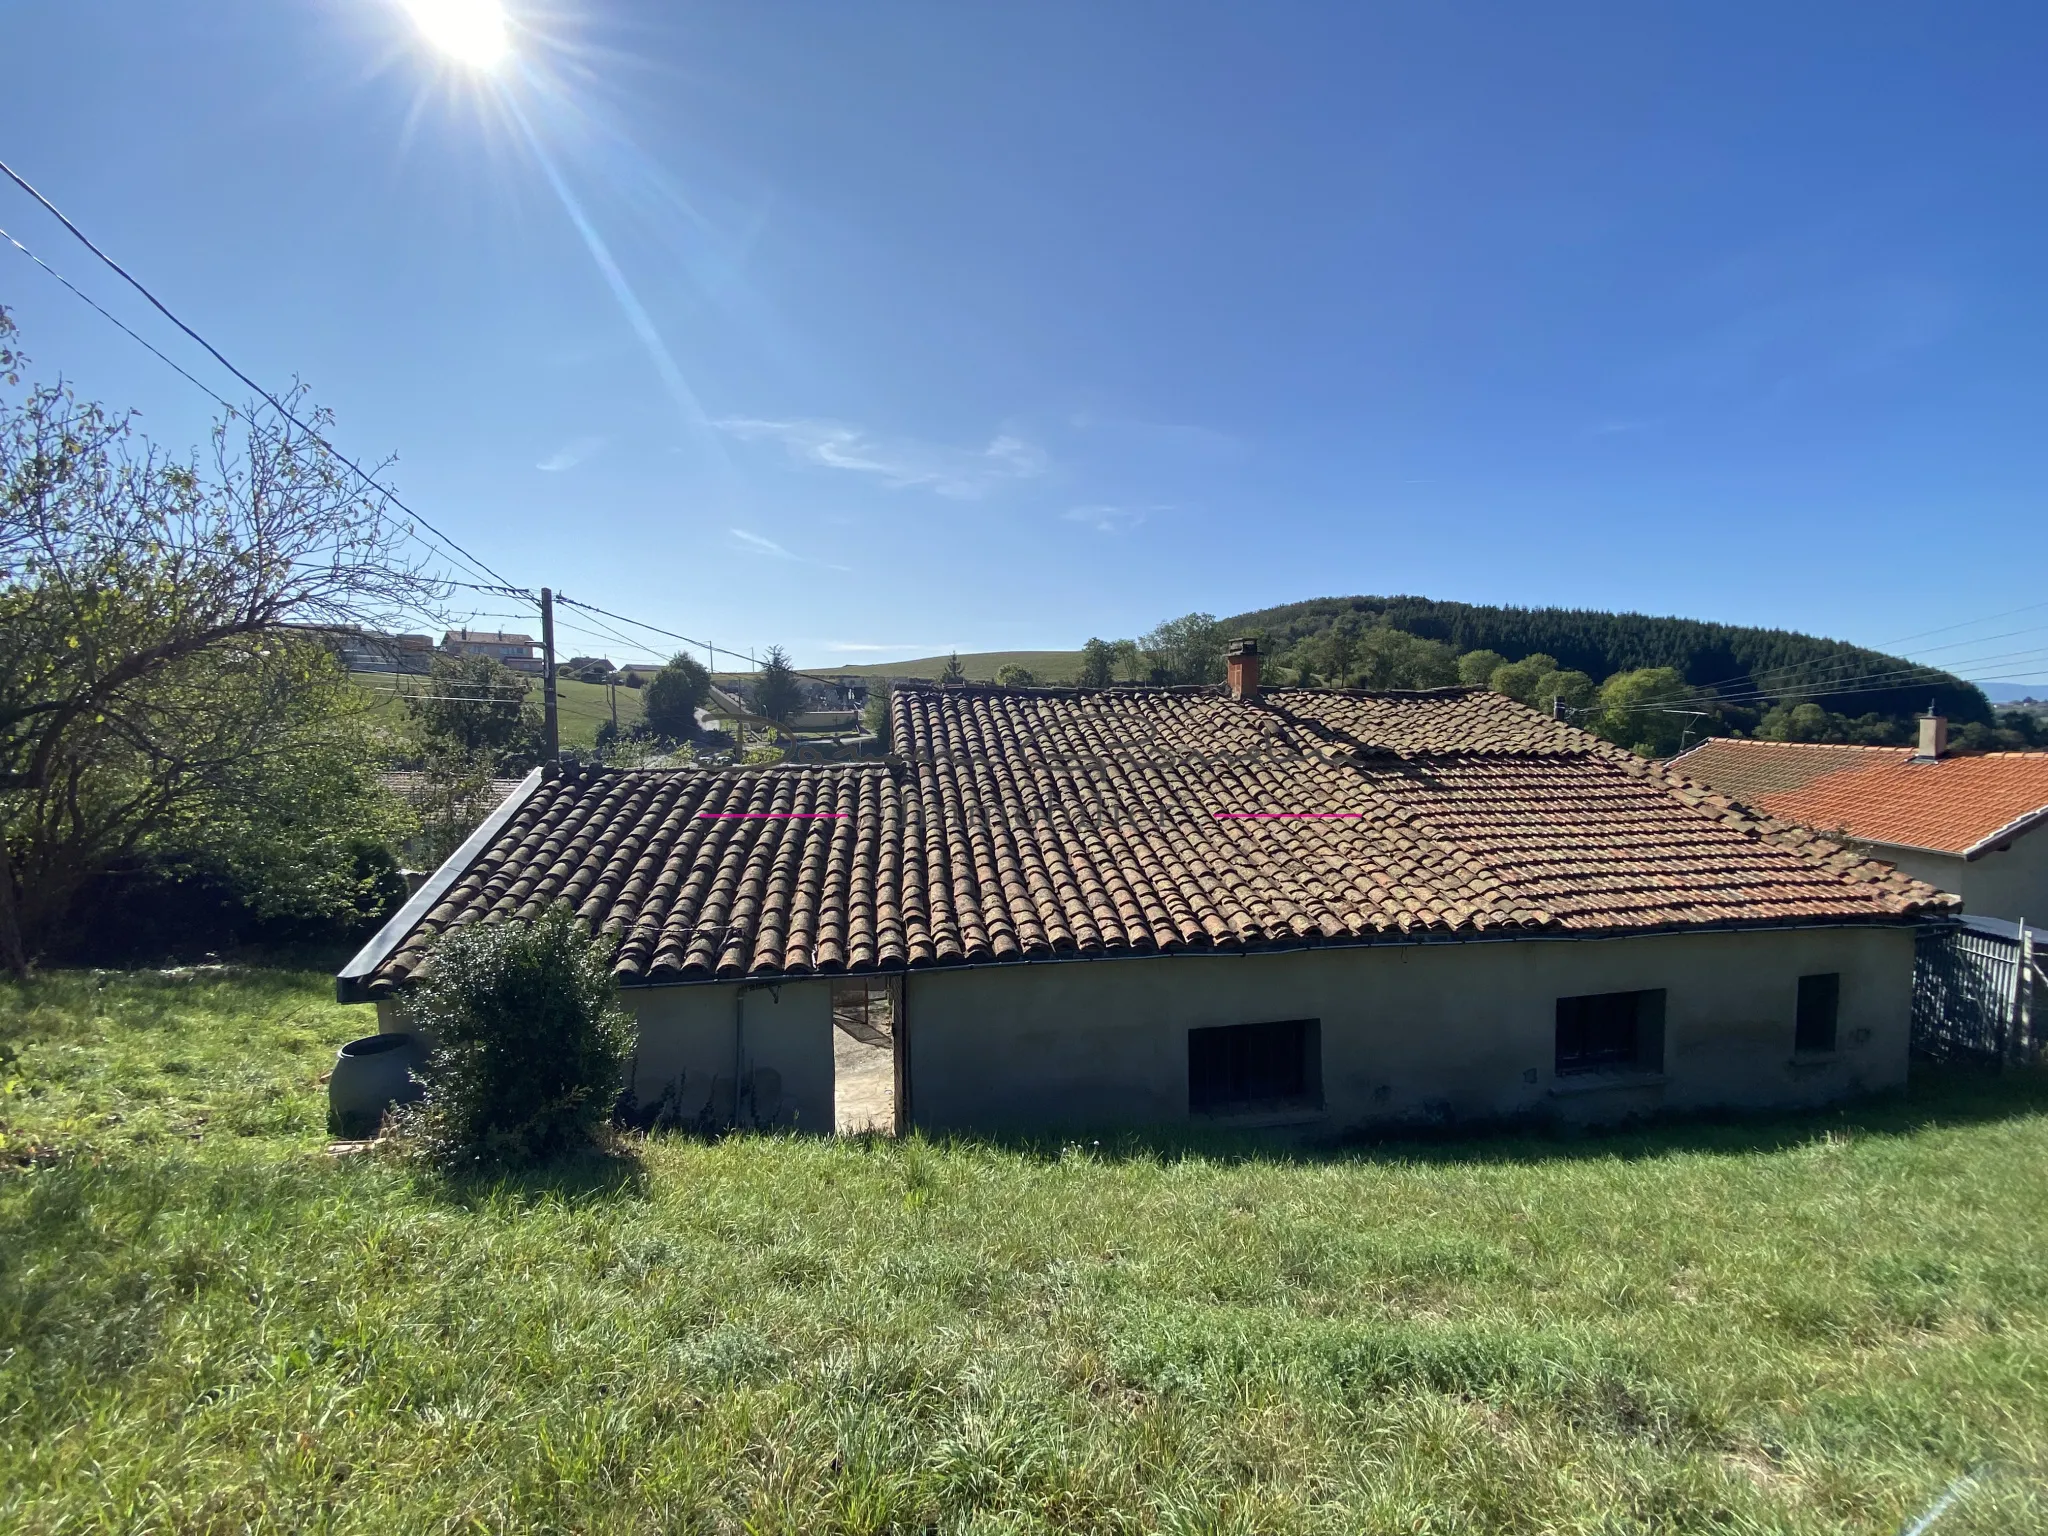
(1973, 994)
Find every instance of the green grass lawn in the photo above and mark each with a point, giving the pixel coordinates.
(579, 706)
(1048, 667)
(207, 1324)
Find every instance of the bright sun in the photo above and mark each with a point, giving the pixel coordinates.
(472, 31)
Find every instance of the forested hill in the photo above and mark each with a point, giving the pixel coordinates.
(1733, 659)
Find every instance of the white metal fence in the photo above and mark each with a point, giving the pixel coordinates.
(1973, 994)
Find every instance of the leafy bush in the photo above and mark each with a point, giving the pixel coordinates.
(531, 1044)
(477, 706)
(1638, 710)
(673, 697)
(295, 844)
(1188, 649)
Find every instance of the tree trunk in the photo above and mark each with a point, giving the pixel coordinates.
(13, 948)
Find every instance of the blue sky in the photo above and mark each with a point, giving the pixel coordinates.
(879, 329)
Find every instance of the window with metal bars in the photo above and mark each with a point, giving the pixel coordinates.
(1248, 1068)
(1611, 1032)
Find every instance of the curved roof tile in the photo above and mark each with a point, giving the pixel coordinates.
(1022, 824)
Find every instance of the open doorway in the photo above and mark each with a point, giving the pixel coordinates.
(864, 1055)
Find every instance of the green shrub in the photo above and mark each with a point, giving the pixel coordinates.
(531, 1042)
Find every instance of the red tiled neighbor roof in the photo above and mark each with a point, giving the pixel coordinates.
(1958, 805)
(1018, 824)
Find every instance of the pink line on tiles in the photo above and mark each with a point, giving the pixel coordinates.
(775, 815)
(1278, 815)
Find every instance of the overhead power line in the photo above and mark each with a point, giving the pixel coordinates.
(500, 583)
(275, 404)
(1823, 685)
(1966, 623)
(121, 325)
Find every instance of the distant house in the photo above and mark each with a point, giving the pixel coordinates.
(1968, 824)
(1321, 910)
(367, 650)
(515, 651)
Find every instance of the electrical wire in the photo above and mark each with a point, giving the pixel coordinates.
(1902, 677)
(1982, 619)
(476, 564)
(116, 323)
(275, 404)
(815, 677)
(502, 584)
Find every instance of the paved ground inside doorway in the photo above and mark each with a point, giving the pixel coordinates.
(864, 1079)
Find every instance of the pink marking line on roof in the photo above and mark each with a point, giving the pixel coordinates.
(775, 815)
(1279, 815)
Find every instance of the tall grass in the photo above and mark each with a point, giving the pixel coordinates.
(208, 1324)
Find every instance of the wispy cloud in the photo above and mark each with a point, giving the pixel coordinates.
(571, 453)
(1106, 519)
(1176, 439)
(1817, 336)
(755, 544)
(963, 473)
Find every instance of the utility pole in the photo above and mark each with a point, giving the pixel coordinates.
(550, 725)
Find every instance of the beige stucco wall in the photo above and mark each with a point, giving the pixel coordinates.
(1409, 1032)
(2012, 884)
(688, 1039)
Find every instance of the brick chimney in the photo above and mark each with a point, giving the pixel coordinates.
(1933, 737)
(1241, 669)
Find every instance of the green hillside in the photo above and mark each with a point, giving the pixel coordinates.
(980, 666)
(1757, 665)
(579, 706)
(1730, 658)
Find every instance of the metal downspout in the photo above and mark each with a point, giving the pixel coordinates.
(739, 1047)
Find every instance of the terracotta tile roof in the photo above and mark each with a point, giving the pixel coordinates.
(1750, 770)
(697, 872)
(1460, 720)
(1029, 823)
(1959, 805)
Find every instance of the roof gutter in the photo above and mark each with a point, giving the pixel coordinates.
(2012, 828)
(352, 981)
(1975, 851)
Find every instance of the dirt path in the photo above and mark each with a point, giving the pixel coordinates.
(864, 1083)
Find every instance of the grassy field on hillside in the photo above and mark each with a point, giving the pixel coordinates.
(980, 666)
(207, 1324)
(580, 706)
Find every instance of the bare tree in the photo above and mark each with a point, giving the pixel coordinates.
(156, 616)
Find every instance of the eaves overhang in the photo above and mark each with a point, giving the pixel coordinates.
(352, 981)
(1546, 934)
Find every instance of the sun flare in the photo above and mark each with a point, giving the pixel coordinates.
(473, 32)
